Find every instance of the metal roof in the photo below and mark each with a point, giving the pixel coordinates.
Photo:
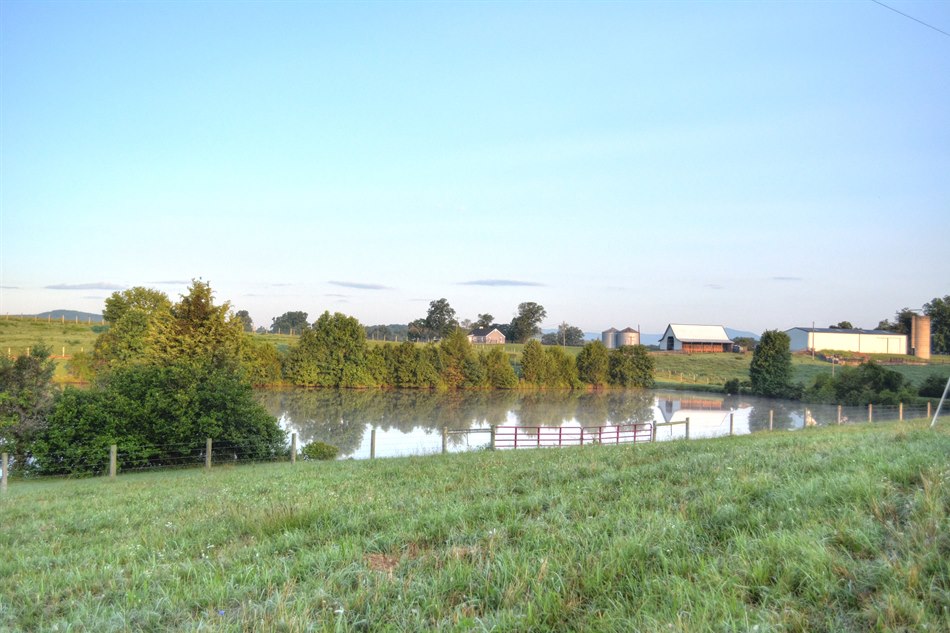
(483, 331)
(698, 333)
(835, 330)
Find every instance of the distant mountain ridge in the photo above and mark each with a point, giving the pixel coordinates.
(69, 315)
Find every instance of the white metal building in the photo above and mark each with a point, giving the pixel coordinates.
(861, 341)
(695, 339)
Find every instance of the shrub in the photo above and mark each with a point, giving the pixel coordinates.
(320, 451)
(732, 387)
(933, 386)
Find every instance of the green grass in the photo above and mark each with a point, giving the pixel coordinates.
(835, 529)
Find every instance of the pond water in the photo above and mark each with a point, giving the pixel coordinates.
(410, 422)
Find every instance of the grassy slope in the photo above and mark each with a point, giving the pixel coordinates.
(837, 529)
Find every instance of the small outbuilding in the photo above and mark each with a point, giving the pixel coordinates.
(854, 340)
(695, 339)
(486, 336)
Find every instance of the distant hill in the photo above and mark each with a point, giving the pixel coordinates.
(69, 315)
(736, 333)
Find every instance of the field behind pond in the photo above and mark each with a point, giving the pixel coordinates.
(834, 529)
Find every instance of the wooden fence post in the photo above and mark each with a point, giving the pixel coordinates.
(113, 460)
(653, 433)
(4, 467)
(492, 444)
(732, 420)
(839, 414)
(293, 448)
(870, 412)
(372, 444)
(771, 418)
(445, 440)
(900, 411)
(928, 408)
(687, 428)
(208, 454)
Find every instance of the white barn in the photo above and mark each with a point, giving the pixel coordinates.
(861, 341)
(694, 339)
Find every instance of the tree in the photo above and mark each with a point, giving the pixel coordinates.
(593, 364)
(499, 374)
(525, 325)
(289, 321)
(245, 318)
(332, 353)
(26, 396)
(133, 316)
(534, 364)
(195, 330)
(770, 371)
(901, 324)
(631, 366)
(939, 312)
(483, 320)
(842, 325)
(156, 414)
(440, 319)
(569, 335)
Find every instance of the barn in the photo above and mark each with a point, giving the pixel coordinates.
(695, 339)
(854, 340)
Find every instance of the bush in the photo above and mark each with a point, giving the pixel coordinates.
(731, 387)
(933, 386)
(320, 451)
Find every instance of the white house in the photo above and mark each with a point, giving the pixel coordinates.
(695, 339)
(861, 341)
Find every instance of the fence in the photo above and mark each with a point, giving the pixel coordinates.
(502, 437)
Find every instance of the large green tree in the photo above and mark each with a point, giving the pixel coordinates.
(26, 397)
(593, 364)
(156, 415)
(526, 324)
(938, 309)
(133, 316)
(195, 330)
(331, 353)
(631, 366)
(289, 322)
(770, 371)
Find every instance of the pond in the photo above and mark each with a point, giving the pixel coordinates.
(410, 422)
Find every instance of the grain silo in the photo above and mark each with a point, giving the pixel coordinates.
(920, 336)
(609, 338)
(628, 336)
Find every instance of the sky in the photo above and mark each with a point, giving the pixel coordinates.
(753, 165)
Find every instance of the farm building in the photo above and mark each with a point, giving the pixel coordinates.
(695, 339)
(486, 336)
(861, 341)
(613, 339)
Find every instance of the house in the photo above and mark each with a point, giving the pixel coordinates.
(855, 340)
(486, 336)
(695, 339)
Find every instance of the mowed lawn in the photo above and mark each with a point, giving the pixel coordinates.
(833, 529)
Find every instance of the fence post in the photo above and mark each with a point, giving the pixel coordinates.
(653, 433)
(445, 440)
(732, 419)
(687, 428)
(113, 459)
(5, 466)
(208, 454)
(900, 411)
(492, 437)
(870, 412)
(771, 417)
(372, 444)
(928, 408)
(293, 448)
(839, 414)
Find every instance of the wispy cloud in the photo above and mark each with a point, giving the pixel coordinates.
(498, 282)
(786, 279)
(171, 282)
(96, 285)
(9, 287)
(358, 285)
(336, 295)
(714, 286)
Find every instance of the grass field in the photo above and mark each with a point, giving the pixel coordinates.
(833, 529)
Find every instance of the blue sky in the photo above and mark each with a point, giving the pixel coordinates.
(756, 165)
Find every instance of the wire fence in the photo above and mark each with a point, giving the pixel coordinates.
(104, 460)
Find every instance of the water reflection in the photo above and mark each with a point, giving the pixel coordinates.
(411, 421)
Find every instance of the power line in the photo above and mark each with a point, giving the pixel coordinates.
(910, 17)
